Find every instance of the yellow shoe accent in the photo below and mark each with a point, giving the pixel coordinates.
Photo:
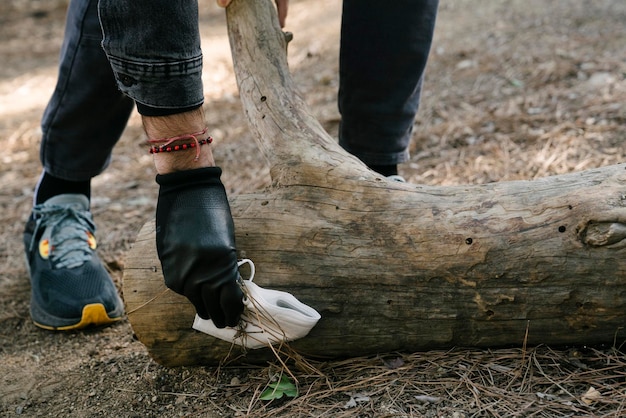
(94, 315)
(91, 240)
(44, 248)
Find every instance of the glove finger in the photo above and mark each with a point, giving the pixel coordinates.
(198, 303)
(231, 300)
(211, 300)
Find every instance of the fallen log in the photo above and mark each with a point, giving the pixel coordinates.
(393, 266)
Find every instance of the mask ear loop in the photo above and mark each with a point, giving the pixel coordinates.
(241, 281)
(242, 324)
(260, 313)
(252, 269)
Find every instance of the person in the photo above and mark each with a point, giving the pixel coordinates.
(146, 53)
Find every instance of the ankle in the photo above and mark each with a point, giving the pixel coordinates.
(385, 170)
(50, 186)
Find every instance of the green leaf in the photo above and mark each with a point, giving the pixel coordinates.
(270, 394)
(276, 390)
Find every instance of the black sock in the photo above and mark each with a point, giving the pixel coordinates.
(385, 170)
(50, 186)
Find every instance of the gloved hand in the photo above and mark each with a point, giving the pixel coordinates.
(195, 241)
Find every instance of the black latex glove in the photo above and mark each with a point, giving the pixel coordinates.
(195, 241)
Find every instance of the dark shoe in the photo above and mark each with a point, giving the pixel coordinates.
(71, 289)
(396, 178)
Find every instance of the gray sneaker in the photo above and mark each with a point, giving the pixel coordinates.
(70, 288)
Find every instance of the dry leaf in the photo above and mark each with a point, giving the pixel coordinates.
(592, 395)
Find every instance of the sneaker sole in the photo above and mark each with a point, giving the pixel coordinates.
(94, 315)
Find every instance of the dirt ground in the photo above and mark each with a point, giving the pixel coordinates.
(515, 89)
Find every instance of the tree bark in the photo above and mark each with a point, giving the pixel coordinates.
(390, 266)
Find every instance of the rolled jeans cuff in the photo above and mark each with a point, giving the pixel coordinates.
(161, 88)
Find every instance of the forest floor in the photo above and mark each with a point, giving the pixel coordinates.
(515, 89)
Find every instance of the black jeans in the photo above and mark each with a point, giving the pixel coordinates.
(384, 48)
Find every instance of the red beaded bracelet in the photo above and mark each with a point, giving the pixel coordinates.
(178, 147)
(168, 147)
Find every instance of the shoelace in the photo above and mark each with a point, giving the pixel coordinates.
(67, 230)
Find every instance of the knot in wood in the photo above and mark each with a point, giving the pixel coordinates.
(598, 234)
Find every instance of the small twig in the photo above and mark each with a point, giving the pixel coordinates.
(149, 301)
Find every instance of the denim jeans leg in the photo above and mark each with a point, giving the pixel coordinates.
(87, 113)
(154, 49)
(384, 49)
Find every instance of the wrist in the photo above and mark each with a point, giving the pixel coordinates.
(170, 162)
(184, 134)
